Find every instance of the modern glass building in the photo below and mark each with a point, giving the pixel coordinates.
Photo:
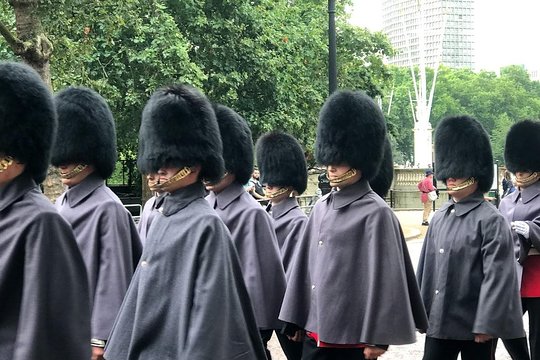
(448, 31)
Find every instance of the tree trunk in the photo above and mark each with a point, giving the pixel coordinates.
(33, 46)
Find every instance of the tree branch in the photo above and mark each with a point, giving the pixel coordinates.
(15, 43)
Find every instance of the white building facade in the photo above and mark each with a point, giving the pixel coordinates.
(448, 32)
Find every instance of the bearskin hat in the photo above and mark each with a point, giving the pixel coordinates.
(382, 182)
(178, 129)
(86, 133)
(237, 143)
(521, 149)
(462, 150)
(351, 130)
(27, 118)
(281, 161)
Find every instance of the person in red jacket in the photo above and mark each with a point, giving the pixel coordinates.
(426, 186)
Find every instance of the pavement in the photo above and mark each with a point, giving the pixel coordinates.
(414, 233)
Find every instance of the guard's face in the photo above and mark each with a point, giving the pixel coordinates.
(11, 171)
(336, 172)
(523, 174)
(79, 176)
(256, 174)
(277, 193)
(162, 175)
(462, 193)
(222, 184)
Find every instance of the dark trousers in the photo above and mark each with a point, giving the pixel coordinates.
(291, 349)
(312, 352)
(443, 349)
(517, 348)
(266, 335)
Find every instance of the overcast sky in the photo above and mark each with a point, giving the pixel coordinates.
(507, 32)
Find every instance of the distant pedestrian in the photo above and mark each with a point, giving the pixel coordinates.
(352, 285)
(466, 270)
(507, 184)
(44, 299)
(324, 184)
(254, 187)
(521, 209)
(426, 187)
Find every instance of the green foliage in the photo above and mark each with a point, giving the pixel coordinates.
(496, 101)
(267, 59)
(124, 50)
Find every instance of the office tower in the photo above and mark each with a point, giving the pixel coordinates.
(448, 32)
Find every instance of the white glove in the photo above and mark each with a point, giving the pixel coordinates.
(521, 227)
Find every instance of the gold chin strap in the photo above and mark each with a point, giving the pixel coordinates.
(346, 176)
(523, 182)
(5, 162)
(278, 192)
(156, 186)
(464, 184)
(76, 170)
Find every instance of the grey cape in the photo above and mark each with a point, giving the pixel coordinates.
(187, 299)
(109, 243)
(255, 240)
(45, 310)
(524, 205)
(289, 222)
(467, 273)
(352, 281)
(148, 214)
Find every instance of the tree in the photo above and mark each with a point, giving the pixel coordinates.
(496, 101)
(27, 40)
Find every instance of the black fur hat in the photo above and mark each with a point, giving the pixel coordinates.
(179, 128)
(351, 130)
(382, 182)
(281, 161)
(521, 151)
(27, 118)
(462, 150)
(237, 143)
(86, 132)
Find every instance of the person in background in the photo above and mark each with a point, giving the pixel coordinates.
(352, 285)
(466, 269)
(426, 186)
(251, 227)
(187, 299)
(85, 154)
(507, 184)
(521, 209)
(45, 309)
(323, 184)
(284, 172)
(254, 187)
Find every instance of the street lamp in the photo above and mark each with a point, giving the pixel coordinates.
(332, 66)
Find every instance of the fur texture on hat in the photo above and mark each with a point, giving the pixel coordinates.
(281, 161)
(237, 143)
(178, 129)
(86, 132)
(382, 182)
(27, 118)
(521, 151)
(462, 150)
(351, 130)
